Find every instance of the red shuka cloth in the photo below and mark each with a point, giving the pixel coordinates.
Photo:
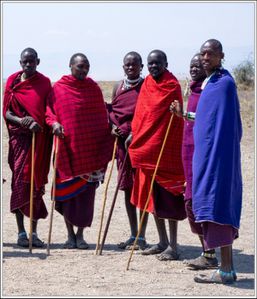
(149, 126)
(79, 107)
(29, 98)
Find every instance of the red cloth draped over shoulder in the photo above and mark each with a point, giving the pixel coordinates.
(31, 96)
(79, 107)
(149, 126)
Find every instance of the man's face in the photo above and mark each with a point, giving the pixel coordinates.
(29, 63)
(80, 68)
(211, 57)
(132, 67)
(156, 65)
(197, 72)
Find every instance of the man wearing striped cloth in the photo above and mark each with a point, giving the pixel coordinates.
(76, 112)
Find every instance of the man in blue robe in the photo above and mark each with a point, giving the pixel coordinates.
(217, 180)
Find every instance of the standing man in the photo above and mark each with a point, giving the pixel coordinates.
(149, 126)
(207, 259)
(121, 112)
(77, 114)
(24, 112)
(217, 180)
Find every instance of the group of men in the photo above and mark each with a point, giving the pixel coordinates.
(199, 169)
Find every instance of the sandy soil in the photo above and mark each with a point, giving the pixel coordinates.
(81, 273)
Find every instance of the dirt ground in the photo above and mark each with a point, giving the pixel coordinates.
(81, 273)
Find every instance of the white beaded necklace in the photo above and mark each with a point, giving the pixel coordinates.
(128, 83)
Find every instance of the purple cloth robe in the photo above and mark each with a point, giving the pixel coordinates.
(217, 179)
(79, 211)
(121, 112)
(188, 138)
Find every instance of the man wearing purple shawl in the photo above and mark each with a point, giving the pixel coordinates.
(121, 112)
(207, 259)
(217, 180)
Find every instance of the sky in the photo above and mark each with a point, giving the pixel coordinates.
(106, 31)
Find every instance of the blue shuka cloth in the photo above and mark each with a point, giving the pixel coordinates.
(217, 179)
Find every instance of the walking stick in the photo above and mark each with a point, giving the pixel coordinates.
(105, 194)
(31, 191)
(150, 191)
(112, 206)
(53, 195)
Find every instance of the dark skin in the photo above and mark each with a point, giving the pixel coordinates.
(157, 65)
(211, 57)
(29, 63)
(79, 69)
(132, 67)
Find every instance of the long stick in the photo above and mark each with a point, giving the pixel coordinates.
(150, 191)
(112, 206)
(53, 195)
(31, 191)
(105, 194)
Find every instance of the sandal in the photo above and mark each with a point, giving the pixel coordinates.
(202, 263)
(155, 249)
(69, 244)
(141, 244)
(127, 244)
(168, 256)
(36, 242)
(81, 244)
(218, 276)
(23, 240)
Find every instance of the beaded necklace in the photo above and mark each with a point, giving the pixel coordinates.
(128, 83)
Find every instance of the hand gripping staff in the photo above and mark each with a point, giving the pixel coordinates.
(112, 206)
(53, 193)
(105, 195)
(31, 191)
(150, 191)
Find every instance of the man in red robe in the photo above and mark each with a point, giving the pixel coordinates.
(24, 112)
(77, 114)
(149, 126)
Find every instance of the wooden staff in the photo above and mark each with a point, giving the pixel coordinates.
(53, 194)
(150, 191)
(31, 190)
(105, 194)
(112, 206)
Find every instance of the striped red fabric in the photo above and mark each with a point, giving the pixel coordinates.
(79, 107)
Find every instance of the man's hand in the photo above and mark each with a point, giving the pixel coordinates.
(175, 107)
(35, 127)
(116, 131)
(58, 130)
(27, 121)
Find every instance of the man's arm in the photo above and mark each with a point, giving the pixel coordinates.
(26, 122)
